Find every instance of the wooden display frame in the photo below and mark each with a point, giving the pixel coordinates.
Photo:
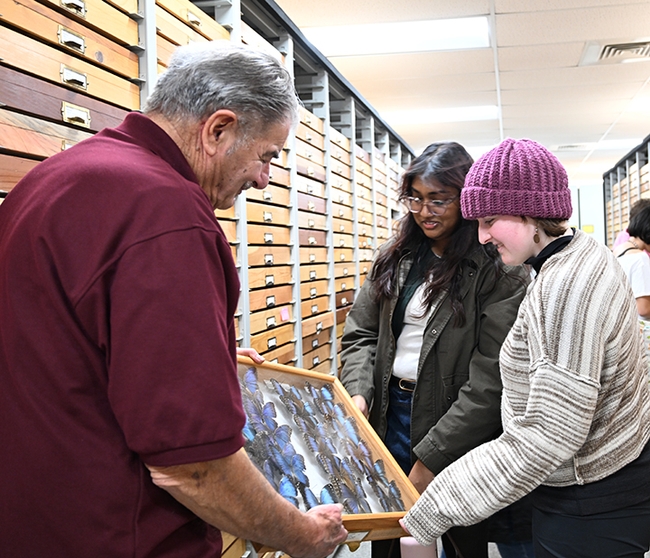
(363, 526)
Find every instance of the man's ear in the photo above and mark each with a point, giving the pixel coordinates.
(219, 131)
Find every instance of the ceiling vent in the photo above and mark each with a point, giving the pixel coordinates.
(615, 52)
(572, 147)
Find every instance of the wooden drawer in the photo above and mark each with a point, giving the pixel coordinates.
(343, 240)
(269, 319)
(314, 357)
(312, 238)
(31, 136)
(225, 213)
(340, 329)
(273, 338)
(53, 102)
(365, 217)
(12, 169)
(266, 213)
(363, 192)
(361, 179)
(342, 211)
(282, 355)
(270, 297)
(310, 136)
(343, 284)
(315, 340)
(235, 550)
(365, 229)
(313, 255)
(174, 30)
(342, 313)
(309, 186)
(229, 229)
(382, 233)
(346, 269)
(314, 204)
(316, 324)
(164, 51)
(340, 169)
(310, 169)
(61, 31)
(24, 53)
(341, 196)
(344, 298)
(381, 221)
(268, 255)
(343, 255)
(278, 195)
(339, 154)
(312, 221)
(101, 17)
(195, 18)
(341, 183)
(279, 175)
(311, 120)
(313, 272)
(312, 289)
(341, 225)
(361, 154)
(364, 268)
(381, 211)
(259, 277)
(314, 306)
(364, 204)
(339, 139)
(268, 235)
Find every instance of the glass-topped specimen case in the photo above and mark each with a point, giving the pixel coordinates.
(307, 437)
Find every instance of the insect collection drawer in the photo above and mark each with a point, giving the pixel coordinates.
(304, 433)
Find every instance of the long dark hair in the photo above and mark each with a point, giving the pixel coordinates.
(448, 163)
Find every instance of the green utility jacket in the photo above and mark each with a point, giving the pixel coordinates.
(456, 402)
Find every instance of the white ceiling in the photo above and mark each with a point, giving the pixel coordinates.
(532, 72)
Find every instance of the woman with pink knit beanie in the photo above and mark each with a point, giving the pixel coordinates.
(576, 402)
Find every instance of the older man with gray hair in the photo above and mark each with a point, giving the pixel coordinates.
(120, 410)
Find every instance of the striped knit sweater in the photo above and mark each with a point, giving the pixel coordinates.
(575, 404)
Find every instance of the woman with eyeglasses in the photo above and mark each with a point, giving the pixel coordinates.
(421, 342)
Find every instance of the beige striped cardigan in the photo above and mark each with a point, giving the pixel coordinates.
(575, 404)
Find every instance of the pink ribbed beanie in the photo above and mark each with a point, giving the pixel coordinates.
(518, 177)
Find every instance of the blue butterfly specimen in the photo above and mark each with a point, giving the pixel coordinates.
(352, 500)
(261, 418)
(319, 445)
(288, 491)
(249, 381)
(278, 387)
(328, 495)
(308, 497)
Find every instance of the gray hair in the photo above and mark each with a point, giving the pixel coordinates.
(205, 77)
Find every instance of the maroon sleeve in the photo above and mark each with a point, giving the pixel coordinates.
(171, 350)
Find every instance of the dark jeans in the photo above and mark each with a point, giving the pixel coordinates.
(622, 533)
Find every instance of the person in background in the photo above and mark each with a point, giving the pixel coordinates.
(120, 408)
(576, 401)
(624, 235)
(421, 343)
(633, 257)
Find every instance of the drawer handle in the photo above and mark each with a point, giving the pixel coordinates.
(341, 227)
(310, 189)
(319, 327)
(344, 301)
(341, 212)
(311, 223)
(311, 171)
(342, 257)
(272, 342)
(270, 300)
(314, 308)
(71, 40)
(312, 275)
(363, 219)
(308, 154)
(268, 259)
(268, 217)
(193, 19)
(66, 144)
(271, 174)
(313, 292)
(74, 114)
(363, 230)
(75, 6)
(267, 195)
(314, 343)
(365, 269)
(270, 280)
(342, 242)
(71, 77)
(311, 240)
(310, 206)
(362, 194)
(308, 137)
(341, 198)
(270, 322)
(345, 271)
(343, 285)
(316, 360)
(268, 238)
(312, 258)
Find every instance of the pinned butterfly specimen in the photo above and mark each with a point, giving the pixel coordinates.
(249, 381)
(278, 387)
(352, 499)
(288, 491)
(308, 497)
(328, 495)
(318, 444)
(261, 417)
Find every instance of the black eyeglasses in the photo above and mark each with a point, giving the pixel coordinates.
(437, 207)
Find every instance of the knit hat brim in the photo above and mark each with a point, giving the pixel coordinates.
(479, 202)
